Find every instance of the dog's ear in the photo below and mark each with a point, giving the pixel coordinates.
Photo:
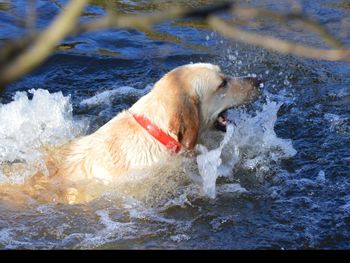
(185, 122)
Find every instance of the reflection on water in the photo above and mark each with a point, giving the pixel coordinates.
(283, 181)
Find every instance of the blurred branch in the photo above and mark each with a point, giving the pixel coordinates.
(12, 48)
(312, 25)
(44, 44)
(275, 44)
(33, 54)
(18, 57)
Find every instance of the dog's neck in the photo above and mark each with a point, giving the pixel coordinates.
(171, 144)
(159, 116)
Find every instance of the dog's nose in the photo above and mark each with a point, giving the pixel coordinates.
(255, 81)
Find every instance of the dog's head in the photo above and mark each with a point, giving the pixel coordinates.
(194, 98)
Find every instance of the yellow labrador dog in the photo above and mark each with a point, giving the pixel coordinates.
(167, 121)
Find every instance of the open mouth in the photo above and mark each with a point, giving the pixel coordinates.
(221, 121)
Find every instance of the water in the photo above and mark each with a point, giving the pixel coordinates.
(209, 161)
(278, 179)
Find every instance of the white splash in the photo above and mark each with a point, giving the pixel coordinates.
(26, 124)
(255, 139)
(209, 162)
(250, 142)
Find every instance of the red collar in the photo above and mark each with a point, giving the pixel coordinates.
(170, 143)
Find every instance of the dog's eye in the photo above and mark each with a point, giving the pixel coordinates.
(223, 84)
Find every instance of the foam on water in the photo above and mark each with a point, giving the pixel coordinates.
(111, 231)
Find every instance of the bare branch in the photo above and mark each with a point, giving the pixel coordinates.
(275, 44)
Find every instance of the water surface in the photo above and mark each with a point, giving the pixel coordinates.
(284, 180)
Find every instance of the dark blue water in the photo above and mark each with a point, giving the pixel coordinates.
(303, 202)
